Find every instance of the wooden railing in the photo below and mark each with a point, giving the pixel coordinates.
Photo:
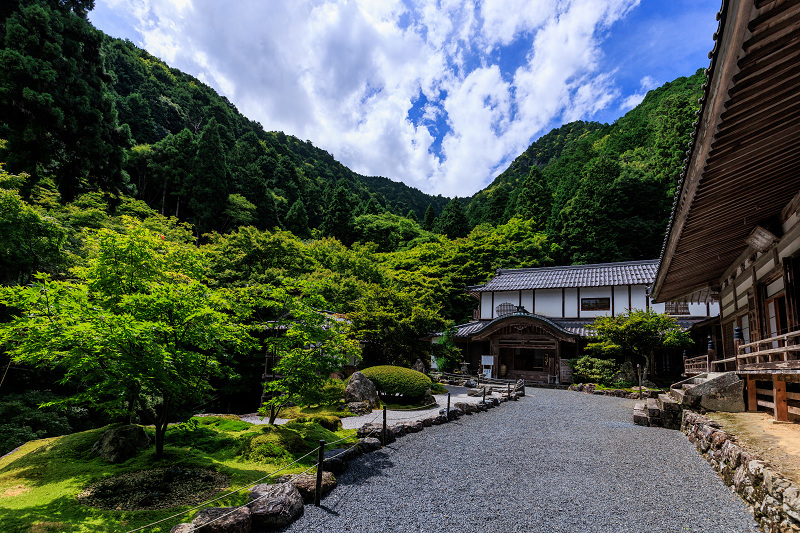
(695, 365)
(781, 352)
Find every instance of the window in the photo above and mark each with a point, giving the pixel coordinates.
(676, 308)
(595, 304)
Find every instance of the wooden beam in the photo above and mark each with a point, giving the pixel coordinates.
(750, 389)
(781, 405)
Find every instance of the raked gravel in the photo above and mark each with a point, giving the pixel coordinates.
(555, 461)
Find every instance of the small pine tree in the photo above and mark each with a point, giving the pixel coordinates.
(297, 220)
(430, 219)
(453, 220)
(412, 215)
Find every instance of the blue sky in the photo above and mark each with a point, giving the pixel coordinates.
(439, 94)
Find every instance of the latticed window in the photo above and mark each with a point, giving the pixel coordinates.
(505, 309)
(676, 308)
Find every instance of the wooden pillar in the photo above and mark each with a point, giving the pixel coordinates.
(750, 391)
(779, 397)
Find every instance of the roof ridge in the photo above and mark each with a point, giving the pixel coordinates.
(579, 267)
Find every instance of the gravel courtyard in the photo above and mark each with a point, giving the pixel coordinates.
(555, 461)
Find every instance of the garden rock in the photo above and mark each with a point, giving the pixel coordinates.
(120, 444)
(274, 506)
(376, 431)
(419, 366)
(369, 444)
(471, 383)
(477, 392)
(182, 528)
(359, 408)
(413, 427)
(361, 389)
(223, 520)
(307, 484)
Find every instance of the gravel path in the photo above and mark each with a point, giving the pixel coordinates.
(555, 461)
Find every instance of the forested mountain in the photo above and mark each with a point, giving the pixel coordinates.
(602, 192)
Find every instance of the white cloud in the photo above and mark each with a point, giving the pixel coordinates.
(646, 84)
(345, 74)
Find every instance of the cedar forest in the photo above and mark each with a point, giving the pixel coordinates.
(137, 206)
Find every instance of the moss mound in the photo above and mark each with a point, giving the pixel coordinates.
(396, 380)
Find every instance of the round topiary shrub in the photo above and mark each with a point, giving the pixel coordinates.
(392, 380)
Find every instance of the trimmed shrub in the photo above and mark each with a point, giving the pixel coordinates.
(592, 370)
(329, 422)
(391, 380)
(331, 393)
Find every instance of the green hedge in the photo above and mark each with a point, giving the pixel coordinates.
(391, 380)
(592, 370)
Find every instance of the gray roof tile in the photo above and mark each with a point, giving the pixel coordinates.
(598, 275)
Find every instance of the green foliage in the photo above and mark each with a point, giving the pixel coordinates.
(641, 332)
(396, 380)
(329, 422)
(137, 331)
(592, 370)
(453, 220)
(22, 420)
(447, 355)
(310, 347)
(331, 393)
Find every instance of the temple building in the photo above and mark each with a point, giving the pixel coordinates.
(530, 321)
(734, 235)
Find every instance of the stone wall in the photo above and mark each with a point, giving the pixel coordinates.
(773, 499)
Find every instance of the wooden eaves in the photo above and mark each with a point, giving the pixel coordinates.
(743, 162)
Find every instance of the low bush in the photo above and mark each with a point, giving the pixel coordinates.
(21, 419)
(329, 422)
(588, 369)
(394, 380)
(331, 393)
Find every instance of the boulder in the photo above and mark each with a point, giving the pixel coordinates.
(413, 427)
(223, 520)
(359, 408)
(121, 443)
(274, 506)
(361, 389)
(369, 444)
(307, 484)
(182, 528)
(471, 383)
(419, 366)
(477, 392)
(376, 431)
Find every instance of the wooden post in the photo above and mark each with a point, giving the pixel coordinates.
(639, 369)
(484, 395)
(779, 397)
(383, 440)
(752, 401)
(320, 461)
(448, 406)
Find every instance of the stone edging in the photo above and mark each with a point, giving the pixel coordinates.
(287, 503)
(773, 499)
(590, 388)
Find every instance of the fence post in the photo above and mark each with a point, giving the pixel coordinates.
(508, 385)
(448, 406)
(484, 395)
(383, 440)
(320, 461)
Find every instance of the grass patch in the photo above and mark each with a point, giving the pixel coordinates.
(317, 410)
(438, 388)
(40, 481)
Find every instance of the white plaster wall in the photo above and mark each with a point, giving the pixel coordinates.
(548, 302)
(620, 299)
(595, 292)
(571, 303)
(660, 308)
(527, 301)
(713, 309)
(486, 305)
(700, 309)
(638, 297)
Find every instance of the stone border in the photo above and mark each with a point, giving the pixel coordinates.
(286, 504)
(773, 499)
(590, 388)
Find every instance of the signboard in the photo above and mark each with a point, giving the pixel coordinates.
(566, 372)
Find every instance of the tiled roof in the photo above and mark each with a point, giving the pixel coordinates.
(598, 275)
(471, 328)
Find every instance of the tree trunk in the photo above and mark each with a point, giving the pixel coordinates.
(161, 430)
(273, 414)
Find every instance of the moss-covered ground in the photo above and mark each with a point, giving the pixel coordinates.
(39, 482)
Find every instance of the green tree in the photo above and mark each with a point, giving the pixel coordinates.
(58, 116)
(297, 220)
(339, 215)
(309, 347)
(137, 335)
(429, 221)
(207, 184)
(30, 240)
(640, 333)
(533, 200)
(412, 216)
(453, 220)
